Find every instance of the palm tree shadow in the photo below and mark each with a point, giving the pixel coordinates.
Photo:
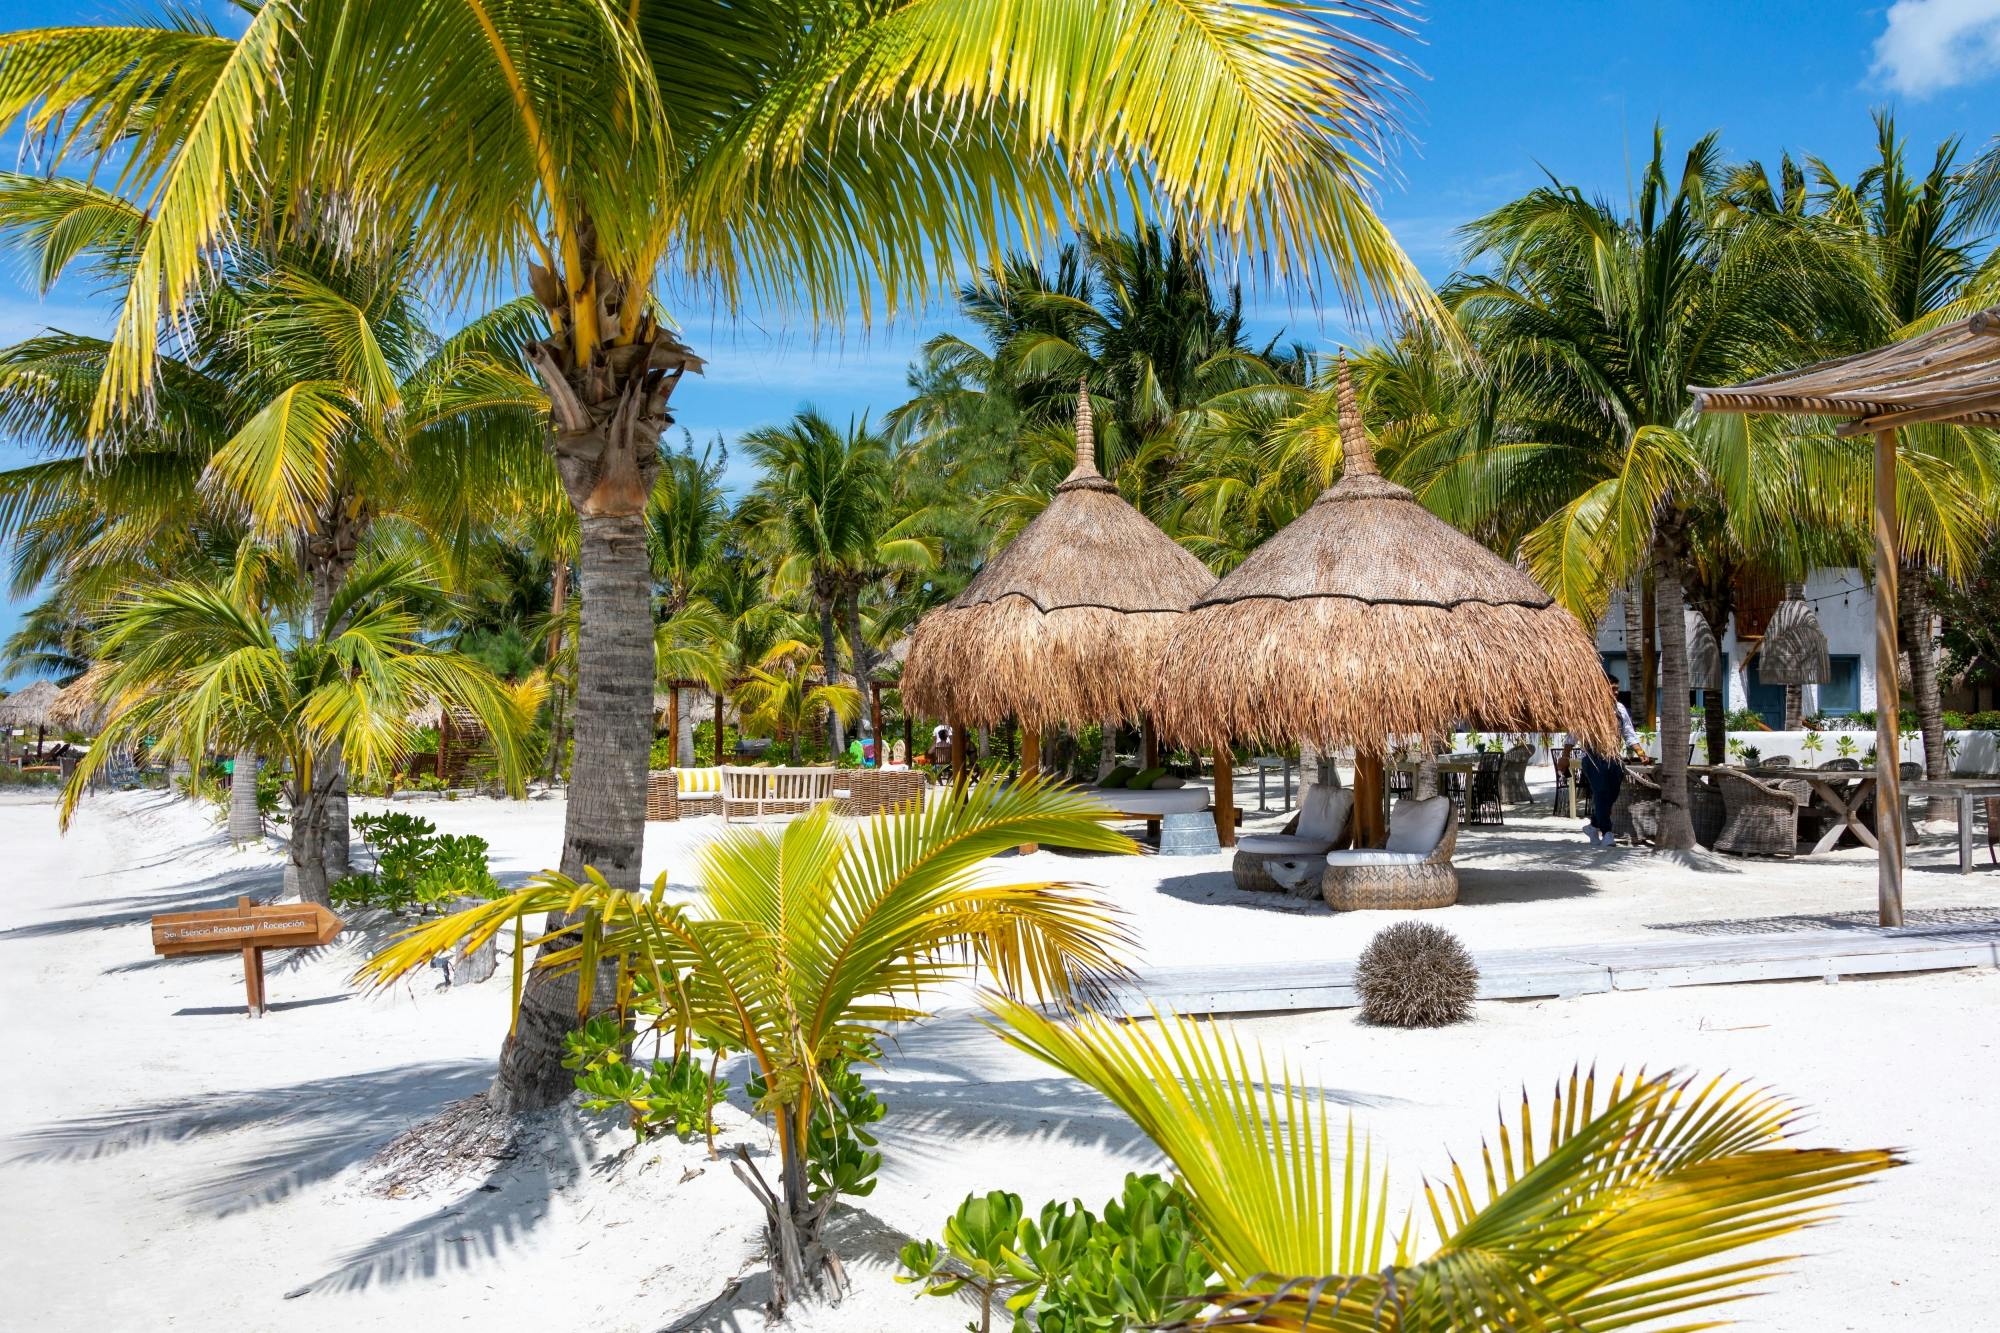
(323, 1127)
(222, 890)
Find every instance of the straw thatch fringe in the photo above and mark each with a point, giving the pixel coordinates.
(980, 665)
(29, 706)
(77, 706)
(1340, 673)
(1795, 649)
(1068, 623)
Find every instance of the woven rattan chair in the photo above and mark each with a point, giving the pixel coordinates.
(1706, 810)
(871, 791)
(1760, 818)
(674, 793)
(1287, 861)
(1483, 801)
(1635, 815)
(1362, 881)
(1841, 766)
(1778, 761)
(774, 791)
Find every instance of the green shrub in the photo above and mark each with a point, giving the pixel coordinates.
(415, 866)
(840, 1152)
(1068, 1271)
(670, 1097)
(11, 776)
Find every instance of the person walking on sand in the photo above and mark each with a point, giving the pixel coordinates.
(1605, 774)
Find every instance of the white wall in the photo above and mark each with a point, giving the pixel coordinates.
(1844, 601)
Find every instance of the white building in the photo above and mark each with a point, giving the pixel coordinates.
(1844, 601)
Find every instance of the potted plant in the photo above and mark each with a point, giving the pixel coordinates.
(1752, 756)
(1812, 745)
(1844, 746)
(1736, 749)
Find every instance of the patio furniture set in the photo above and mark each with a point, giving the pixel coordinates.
(1312, 856)
(737, 792)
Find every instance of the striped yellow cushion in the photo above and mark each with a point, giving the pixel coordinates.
(696, 780)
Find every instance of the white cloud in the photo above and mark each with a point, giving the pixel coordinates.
(1931, 45)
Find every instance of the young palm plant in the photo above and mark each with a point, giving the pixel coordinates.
(1627, 1208)
(780, 698)
(809, 942)
(193, 667)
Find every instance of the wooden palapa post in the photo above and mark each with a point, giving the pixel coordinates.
(674, 722)
(1149, 744)
(1370, 783)
(1888, 692)
(1225, 794)
(1031, 766)
(875, 723)
(957, 753)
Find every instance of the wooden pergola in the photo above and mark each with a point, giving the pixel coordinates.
(1949, 375)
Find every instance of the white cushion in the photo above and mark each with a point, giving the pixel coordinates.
(1416, 826)
(1375, 858)
(1171, 782)
(1152, 804)
(1283, 844)
(1323, 812)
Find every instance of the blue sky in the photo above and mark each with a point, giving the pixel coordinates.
(1508, 91)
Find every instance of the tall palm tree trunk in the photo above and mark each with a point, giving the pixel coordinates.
(1714, 606)
(246, 822)
(859, 653)
(1635, 642)
(330, 551)
(829, 658)
(1649, 655)
(1669, 555)
(1913, 609)
(604, 826)
(305, 860)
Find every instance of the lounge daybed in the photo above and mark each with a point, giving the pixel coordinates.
(1413, 870)
(676, 793)
(1294, 861)
(872, 791)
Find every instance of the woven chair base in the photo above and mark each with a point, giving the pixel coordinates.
(1279, 872)
(1394, 888)
(663, 795)
(874, 791)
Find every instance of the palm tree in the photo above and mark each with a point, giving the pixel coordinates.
(1594, 326)
(826, 508)
(686, 525)
(809, 943)
(835, 165)
(199, 666)
(1625, 1206)
(779, 697)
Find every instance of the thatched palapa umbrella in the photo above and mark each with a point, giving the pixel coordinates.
(29, 707)
(1369, 618)
(1067, 624)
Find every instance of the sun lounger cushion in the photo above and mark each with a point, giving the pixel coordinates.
(1283, 844)
(1144, 779)
(1323, 813)
(699, 782)
(1118, 776)
(1171, 782)
(1416, 826)
(1375, 858)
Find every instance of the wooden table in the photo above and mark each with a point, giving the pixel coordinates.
(1964, 791)
(1844, 790)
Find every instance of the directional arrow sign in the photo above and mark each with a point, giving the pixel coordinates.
(248, 928)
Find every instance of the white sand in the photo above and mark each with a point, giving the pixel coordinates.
(167, 1162)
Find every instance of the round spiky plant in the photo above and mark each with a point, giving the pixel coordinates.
(1416, 975)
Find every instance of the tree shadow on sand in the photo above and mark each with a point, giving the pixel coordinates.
(867, 1247)
(220, 890)
(309, 1131)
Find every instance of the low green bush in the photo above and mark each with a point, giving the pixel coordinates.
(416, 867)
(840, 1151)
(670, 1097)
(1068, 1270)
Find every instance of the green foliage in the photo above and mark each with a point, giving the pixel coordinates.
(415, 866)
(11, 776)
(840, 1152)
(672, 1096)
(1068, 1270)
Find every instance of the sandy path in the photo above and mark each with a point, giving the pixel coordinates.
(169, 1163)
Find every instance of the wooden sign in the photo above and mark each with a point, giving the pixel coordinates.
(248, 928)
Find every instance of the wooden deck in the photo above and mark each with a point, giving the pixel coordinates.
(1827, 953)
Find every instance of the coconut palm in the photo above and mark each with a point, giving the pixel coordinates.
(1594, 326)
(193, 667)
(779, 697)
(1625, 1207)
(835, 163)
(808, 943)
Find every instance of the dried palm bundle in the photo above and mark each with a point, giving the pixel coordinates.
(1416, 975)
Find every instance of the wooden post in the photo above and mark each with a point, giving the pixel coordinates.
(674, 723)
(1149, 744)
(1031, 765)
(875, 723)
(1370, 827)
(253, 980)
(1225, 793)
(1888, 690)
(909, 738)
(957, 754)
(717, 694)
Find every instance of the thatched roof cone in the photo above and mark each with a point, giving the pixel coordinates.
(1795, 648)
(1066, 625)
(76, 706)
(29, 706)
(1367, 618)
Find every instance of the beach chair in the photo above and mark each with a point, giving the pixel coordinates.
(1413, 870)
(1292, 860)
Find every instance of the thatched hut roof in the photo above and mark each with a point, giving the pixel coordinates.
(1795, 648)
(77, 706)
(29, 707)
(1368, 617)
(1704, 652)
(1068, 623)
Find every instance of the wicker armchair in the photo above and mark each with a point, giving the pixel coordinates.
(871, 791)
(1292, 862)
(1706, 811)
(1636, 813)
(667, 797)
(1361, 881)
(1841, 766)
(1778, 761)
(1761, 818)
